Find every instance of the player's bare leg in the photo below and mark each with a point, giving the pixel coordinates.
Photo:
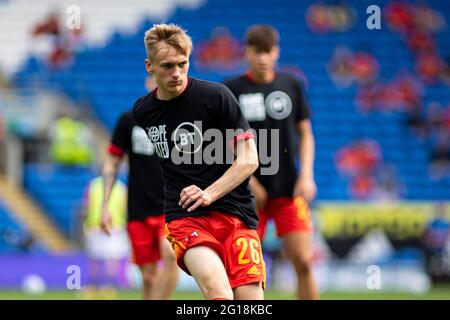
(94, 280)
(167, 281)
(149, 281)
(251, 291)
(208, 270)
(112, 267)
(298, 250)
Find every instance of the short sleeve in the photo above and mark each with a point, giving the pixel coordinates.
(138, 112)
(121, 134)
(302, 109)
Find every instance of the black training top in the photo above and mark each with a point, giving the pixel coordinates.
(145, 184)
(280, 105)
(190, 136)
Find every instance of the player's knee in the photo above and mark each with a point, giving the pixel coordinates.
(169, 258)
(215, 288)
(149, 277)
(302, 263)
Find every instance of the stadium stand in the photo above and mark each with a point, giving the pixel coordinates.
(111, 78)
(62, 194)
(13, 236)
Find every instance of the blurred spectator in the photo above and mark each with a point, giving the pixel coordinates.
(420, 41)
(439, 135)
(60, 56)
(23, 241)
(388, 187)
(346, 66)
(427, 19)
(64, 41)
(50, 26)
(403, 93)
(324, 18)
(359, 158)
(409, 92)
(416, 122)
(430, 67)
(365, 67)
(221, 51)
(436, 243)
(446, 72)
(437, 234)
(71, 142)
(362, 187)
(388, 98)
(370, 179)
(405, 17)
(367, 97)
(105, 252)
(435, 119)
(359, 161)
(446, 117)
(376, 96)
(340, 67)
(399, 16)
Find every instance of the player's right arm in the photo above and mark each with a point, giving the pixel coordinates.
(109, 174)
(115, 152)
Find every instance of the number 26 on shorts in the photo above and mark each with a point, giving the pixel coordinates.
(255, 250)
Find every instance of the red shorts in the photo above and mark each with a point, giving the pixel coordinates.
(238, 246)
(146, 236)
(290, 215)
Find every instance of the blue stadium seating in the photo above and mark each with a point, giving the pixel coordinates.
(12, 234)
(59, 190)
(111, 83)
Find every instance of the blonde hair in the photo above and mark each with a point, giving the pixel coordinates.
(171, 34)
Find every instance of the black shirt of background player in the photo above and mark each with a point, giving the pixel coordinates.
(277, 105)
(145, 184)
(215, 107)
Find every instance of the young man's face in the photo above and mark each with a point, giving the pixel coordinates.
(261, 62)
(169, 68)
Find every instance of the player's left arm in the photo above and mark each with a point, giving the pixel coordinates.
(244, 166)
(305, 185)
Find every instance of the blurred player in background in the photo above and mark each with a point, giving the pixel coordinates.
(272, 100)
(105, 253)
(145, 205)
(211, 219)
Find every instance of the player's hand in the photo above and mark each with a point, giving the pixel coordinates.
(106, 221)
(192, 197)
(306, 188)
(260, 194)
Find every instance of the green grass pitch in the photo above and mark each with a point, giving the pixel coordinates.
(437, 293)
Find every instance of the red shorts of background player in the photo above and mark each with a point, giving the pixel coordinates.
(236, 244)
(289, 214)
(145, 237)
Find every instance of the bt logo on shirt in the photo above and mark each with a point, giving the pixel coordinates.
(278, 105)
(188, 137)
(157, 135)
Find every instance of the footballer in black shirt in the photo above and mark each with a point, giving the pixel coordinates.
(276, 101)
(210, 213)
(145, 206)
